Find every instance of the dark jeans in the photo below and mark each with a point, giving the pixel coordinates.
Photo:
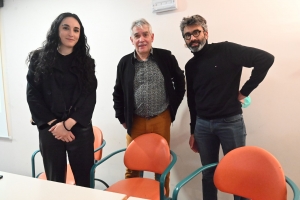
(230, 132)
(80, 153)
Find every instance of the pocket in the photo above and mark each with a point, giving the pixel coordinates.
(233, 119)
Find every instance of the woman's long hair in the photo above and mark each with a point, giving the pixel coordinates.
(47, 54)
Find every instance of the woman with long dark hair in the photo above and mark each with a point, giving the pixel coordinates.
(61, 94)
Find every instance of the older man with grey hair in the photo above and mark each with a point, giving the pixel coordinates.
(149, 89)
(214, 99)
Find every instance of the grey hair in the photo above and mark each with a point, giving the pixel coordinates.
(140, 23)
(193, 20)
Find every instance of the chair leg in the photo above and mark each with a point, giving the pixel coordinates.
(104, 183)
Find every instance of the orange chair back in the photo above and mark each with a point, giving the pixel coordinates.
(148, 152)
(98, 142)
(251, 172)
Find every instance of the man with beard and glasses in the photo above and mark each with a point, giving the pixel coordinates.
(214, 99)
(149, 89)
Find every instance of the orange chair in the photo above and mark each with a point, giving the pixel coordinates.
(250, 172)
(99, 143)
(148, 152)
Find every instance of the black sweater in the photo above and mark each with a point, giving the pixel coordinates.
(69, 81)
(213, 79)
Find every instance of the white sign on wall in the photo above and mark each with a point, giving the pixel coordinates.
(163, 5)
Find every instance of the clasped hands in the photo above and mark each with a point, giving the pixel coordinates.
(60, 133)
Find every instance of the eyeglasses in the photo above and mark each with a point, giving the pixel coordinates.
(188, 35)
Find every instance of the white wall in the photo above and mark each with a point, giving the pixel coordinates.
(272, 120)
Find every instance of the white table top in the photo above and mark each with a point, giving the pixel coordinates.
(135, 198)
(14, 187)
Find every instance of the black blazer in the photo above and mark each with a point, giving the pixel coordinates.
(46, 102)
(123, 94)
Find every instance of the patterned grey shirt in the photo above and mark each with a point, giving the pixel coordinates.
(150, 97)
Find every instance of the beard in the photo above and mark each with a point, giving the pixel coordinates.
(198, 47)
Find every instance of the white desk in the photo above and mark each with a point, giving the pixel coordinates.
(15, 187)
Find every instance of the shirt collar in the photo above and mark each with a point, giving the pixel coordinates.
(135, 56)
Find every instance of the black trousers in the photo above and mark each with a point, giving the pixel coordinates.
(80, 153)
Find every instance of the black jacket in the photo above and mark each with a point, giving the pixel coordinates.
(46, 102)
(123, 94)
